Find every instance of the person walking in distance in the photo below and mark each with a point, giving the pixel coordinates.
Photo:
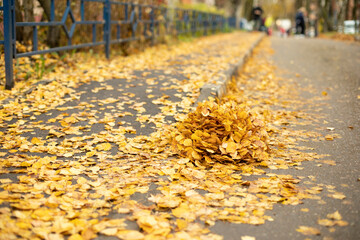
(256, 15)
(313, 20)
(300, 21)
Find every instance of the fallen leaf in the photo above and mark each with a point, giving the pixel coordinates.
(37, 141)
(103, 147)
(130, 235)
(337, 195)
(76, 237)
(109, 231)
(329, 162)
(329, 137)
(335, 216)
(308, 230)
(326, 222)
(247, 238)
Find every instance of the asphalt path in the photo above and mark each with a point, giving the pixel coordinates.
(331, 70)
(326, 68)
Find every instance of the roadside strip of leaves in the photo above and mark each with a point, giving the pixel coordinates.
(217, 163)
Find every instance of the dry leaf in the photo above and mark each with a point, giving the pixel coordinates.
(326, 222)
(337, 195)
(109, 231)
(103, 147)
(130, 235)
(308, 230)
(247, 238)
(335, 216)
(329, 137)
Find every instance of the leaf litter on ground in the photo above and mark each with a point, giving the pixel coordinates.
(189, 175)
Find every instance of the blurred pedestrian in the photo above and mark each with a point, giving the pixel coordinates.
(284, 26)
(300, 21)
(268, 24)
(256, 16)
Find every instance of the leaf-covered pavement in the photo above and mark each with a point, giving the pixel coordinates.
(82, 165)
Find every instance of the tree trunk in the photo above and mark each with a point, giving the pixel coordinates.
(283, 6)
(349, 7)
(53, 35)
(355, 15)
(28, 17)
(340, 16)
(234, 6)
(248, 9)
(299, 4)
(19, 18)
(325, 10)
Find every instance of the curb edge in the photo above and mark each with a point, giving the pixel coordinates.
(220, 88)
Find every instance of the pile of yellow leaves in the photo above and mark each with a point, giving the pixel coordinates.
(221, 132)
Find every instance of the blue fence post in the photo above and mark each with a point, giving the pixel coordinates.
(107, 27)
(206, 20)
(152, 25)
(223, 23)
(8, 42)
(193, 22)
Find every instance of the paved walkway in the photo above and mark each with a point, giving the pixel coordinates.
(326, 75)
(91, 115)
(328, 71)
(158, 83)
(63, 145)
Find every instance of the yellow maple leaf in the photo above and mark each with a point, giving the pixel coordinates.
(231, 147)
(130, 235)
(36, 141)
(337, 195)
(329, 137)
(76, 237)
(147, 222)
(109, 231)
(188, 142)
(336, 215)
(326, 222)
(181, 223)
(182, 211)
(103, 147)
(43, 214)
(90, 154)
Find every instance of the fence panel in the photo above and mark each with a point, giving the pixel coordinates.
(141, 21)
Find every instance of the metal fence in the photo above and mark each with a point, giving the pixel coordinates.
(151, 19)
